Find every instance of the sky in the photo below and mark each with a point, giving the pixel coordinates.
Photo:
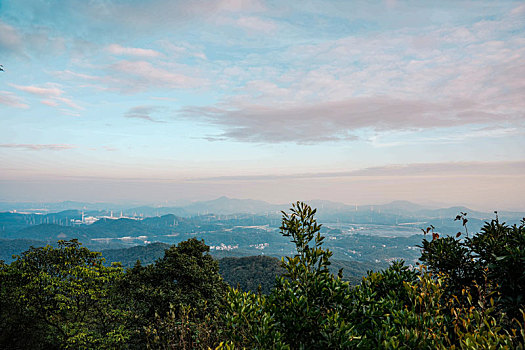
(361, 102)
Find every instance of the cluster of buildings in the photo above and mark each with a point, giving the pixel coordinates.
(223, 246)
(88, 220)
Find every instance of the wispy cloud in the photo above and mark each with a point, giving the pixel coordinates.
(116, 49)
(248, 6)
(37, 147)
(14, 41)
(394, 139)
(256, 24)
(143, 112)
(50, 103)
(181, 49)
(138, 75)
(52, 93)
(10, 39)
(446, 169)
(10, 99)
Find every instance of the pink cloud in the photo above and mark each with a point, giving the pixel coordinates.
(69, 102)
(518, 10)
(52, 94)
(508, 168)
(140, 75)
(240, 6)
(9, 99)
(40, 91)
(37, 147)
(9, 38)
(134, 76)
(316, 122)
(116, 49)
(256, 24)
(50, 103)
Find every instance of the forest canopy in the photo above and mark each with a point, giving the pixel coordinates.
(467, 293)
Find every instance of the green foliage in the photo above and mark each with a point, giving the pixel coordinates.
(65, 297)
(60, 298)
(249, 323)
(251, 273)
(496, 254)
(187, 276)
(306, 308)
(500, 250)
(453, 258)
(480, 325)
(382, 302)
(183, 330)
(469, 296)
(398, 308)
(308, 302)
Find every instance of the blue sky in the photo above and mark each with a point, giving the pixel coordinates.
(355, 101)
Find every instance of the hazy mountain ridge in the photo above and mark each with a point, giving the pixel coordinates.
(227, 206)
(244, 234)
(230, 206)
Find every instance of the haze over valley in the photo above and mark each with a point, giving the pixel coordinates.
(371, 234)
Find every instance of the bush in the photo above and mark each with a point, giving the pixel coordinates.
(439, 307)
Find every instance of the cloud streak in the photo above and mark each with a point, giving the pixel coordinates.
(137, 75)
(449, 137)
(37, 147)
(130, 77)
(448, 169)
(144, 113)
(52, 94)
(116, 49)
(51, 91)
(9, 99)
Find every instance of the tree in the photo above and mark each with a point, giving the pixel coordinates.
(185, 281)
(308, 302)
(307, 307)
(60, 298)
(493, 259)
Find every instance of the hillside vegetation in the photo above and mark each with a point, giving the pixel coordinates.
(468, 293)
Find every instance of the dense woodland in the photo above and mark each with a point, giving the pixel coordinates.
(467, 293)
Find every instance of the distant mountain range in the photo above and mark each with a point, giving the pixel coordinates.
(228, 206)
(239, 227)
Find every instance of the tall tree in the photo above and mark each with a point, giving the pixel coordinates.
(60, 298)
